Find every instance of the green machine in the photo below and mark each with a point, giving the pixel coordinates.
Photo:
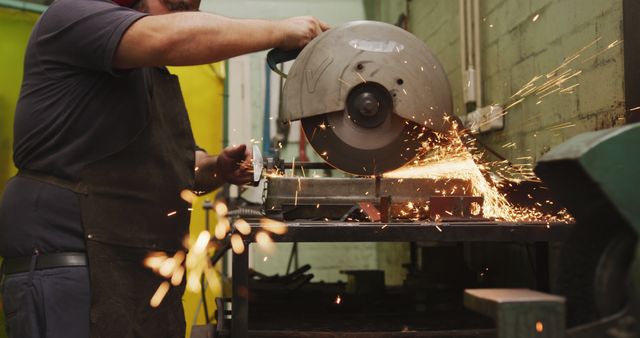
(596, 175)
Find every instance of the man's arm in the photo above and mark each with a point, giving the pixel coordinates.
(191, 38)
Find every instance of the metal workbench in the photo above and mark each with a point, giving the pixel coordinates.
(304, 231)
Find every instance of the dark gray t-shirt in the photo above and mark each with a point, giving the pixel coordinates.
(74, 108)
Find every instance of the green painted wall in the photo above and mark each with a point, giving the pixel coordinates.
(15, 27)
(515, 48)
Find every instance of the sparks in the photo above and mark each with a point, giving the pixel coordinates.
(242, 226)
(237, 244)
(220, 231)
(188, 196)
(221, 209)
(273, 226)
(264, 241)
(160, 294)
(453, 160)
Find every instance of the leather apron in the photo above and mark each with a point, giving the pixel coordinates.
(131, 206)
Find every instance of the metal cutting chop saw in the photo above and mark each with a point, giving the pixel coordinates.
(367, 95)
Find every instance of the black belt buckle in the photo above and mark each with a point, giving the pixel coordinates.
(44, 261)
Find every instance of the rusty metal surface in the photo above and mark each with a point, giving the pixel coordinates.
(455, 208)
(284, 192)
(400, 334)
(479, 231)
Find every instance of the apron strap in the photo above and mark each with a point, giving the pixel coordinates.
(77, 187)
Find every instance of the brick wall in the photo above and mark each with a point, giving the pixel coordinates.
(515, 48)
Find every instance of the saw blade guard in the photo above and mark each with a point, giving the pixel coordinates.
(343, 58)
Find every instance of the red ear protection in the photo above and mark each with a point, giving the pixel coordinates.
(125, 3)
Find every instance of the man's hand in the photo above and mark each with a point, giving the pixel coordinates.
(232, 165)
(214, 171)
(299, 31)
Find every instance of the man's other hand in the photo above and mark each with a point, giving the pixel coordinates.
(297, 32)
(233, 165)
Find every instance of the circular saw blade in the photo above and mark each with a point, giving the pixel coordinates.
(364, 151)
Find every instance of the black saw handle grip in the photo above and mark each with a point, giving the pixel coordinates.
(277, 56)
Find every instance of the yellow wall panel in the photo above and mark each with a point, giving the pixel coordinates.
(203, 89)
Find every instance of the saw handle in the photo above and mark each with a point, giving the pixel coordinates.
(277, 56)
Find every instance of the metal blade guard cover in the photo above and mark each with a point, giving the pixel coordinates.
(367, 94)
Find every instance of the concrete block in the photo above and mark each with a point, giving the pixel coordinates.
(450, 58)
(554, 22)
(536, 5)
(509, 49)
(497, 88)
(609, 29)
(494, 25)
(517, 12)
(601, 88)
(521, 73)
(566, 47)
(420, 10)
(609, 118)
(490, 60)
(537, 34)
(557, 108)
(589, 10)
(455, 82)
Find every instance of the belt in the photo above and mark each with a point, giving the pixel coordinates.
(44, 261)
(77, 187)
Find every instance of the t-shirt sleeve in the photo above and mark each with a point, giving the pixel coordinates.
(82, 34)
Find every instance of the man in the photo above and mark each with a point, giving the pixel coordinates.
(104, 148)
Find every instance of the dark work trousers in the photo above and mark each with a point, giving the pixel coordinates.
(50, 303)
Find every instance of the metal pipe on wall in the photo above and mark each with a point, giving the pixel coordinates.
(468, 26)
(266, 112)
(463, 43)
(476, 54)
(23, 6)
(469, 12)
